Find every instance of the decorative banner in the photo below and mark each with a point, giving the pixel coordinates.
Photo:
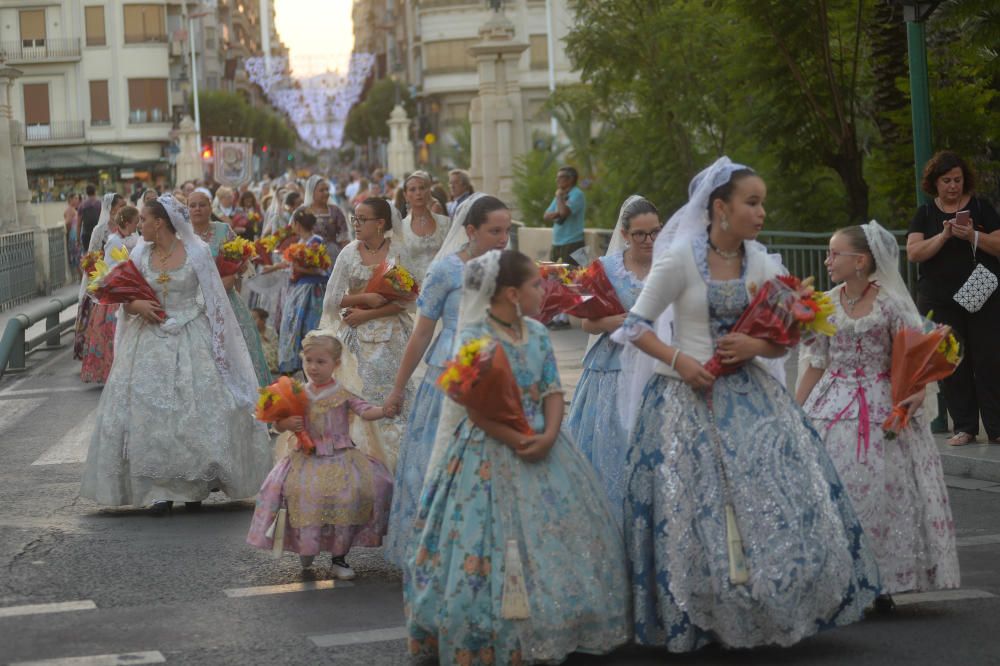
(233, 160)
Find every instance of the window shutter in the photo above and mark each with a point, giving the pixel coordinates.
(94, 18)
(100, 113)
(36, 104)
(33, 26)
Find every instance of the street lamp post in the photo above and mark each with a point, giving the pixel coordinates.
(915, 13)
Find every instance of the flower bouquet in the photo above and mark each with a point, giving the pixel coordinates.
(558, 293)
(480, 379)
(233, 255)
(600, 299)
(783, 310)
(394, 282)
(919, 357)
(308, 256)
(89, 260)
(285, 397)
(119, 283)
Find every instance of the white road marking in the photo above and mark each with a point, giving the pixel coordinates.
(122, 659)
(82, 388)
(72, 448)
(356, 637)
(978, 540)
(966, 483)
(38, 609)
(307, 586)
(34, 369)
(11, 411)
(940, 595)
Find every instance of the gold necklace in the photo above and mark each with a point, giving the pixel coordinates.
(375, 251)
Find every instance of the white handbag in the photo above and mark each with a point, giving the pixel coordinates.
(979, 286)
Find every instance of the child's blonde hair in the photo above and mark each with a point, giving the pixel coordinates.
(323, 339)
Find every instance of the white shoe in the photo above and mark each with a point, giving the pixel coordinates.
(306, 561)
(341, 570)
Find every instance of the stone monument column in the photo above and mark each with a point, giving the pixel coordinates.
(189, 158)
(401, 160)
(497, 113)
(8, 137)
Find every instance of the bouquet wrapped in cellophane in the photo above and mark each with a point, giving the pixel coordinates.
(919, 357)
(599, 298)
(233, 256)
(559, 294)
(120, 282)
(277, 241)
(282, 399)
(393, 282)
(89, 260)
(308, 256)
(480, 379)
(783, 310)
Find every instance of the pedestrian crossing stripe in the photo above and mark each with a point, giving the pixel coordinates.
(39, 609)
(358, 637)
(307, 586)
(122, 659)
(912, 598)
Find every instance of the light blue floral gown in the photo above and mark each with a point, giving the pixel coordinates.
(223, 233)
(440, 295)
(301, 311)
(809, 562)
(479, 496)
(594, 422)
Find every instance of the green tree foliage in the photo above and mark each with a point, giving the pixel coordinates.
(229, 114)
(535, 182)
(370, 118)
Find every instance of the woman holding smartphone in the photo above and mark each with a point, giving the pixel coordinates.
(948, 237)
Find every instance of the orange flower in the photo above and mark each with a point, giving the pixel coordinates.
(421, 555)
(484, 470)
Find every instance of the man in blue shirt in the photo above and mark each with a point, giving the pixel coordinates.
(566, 214)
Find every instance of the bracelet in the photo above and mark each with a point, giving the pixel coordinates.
(673, 361)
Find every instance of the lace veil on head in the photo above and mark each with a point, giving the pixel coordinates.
(457, 238)
(98, 237)
(885, 251)
(618, 244)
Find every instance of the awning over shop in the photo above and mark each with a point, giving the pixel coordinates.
(67, 158)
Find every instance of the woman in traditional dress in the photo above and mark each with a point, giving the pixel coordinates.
(422, 232)
(517, 558)
(595, 422)
(302, 305)
(215, 234)
(97, 239)
(372, 329)
(737, 528)
(175, 419)
(482, 225)
(98, 348)
(897, 487)
(330, 221)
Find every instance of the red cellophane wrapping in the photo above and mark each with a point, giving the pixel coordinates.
(383, 282)
(558, 295)
(282, 399)
(124, 283)
(917, 360)
(600, 299)
(228, 267)
(486, 385)
(770, 316)
(264, 256)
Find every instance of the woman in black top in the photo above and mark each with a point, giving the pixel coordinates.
(944, 249)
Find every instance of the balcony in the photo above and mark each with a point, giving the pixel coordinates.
(145, 38)
(147, 116)
(58, 131)
(21, 51)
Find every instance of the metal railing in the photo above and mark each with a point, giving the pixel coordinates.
(146, 38)
(57, 257)
(54, 131)
(33, 50)
(14, 348)
(17, 268)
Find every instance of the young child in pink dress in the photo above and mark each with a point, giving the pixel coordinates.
(336, 497)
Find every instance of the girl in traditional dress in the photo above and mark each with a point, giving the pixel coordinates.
(483, 224)
(215, 234)
(422, 232)
(737, 528)
(98, 346)
(330, 222)
(97, 239)
(517, 558)
(897, 487)
(595, 422)
(175, 418)
(302, 306)
(372, 329)
(336, 497)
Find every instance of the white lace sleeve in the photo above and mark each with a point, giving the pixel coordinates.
(337, 285)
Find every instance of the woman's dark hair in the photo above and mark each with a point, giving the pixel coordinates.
(399, 201)
(856, 238)
(943, 162)
(442, 197)
(725, 191)
(292, 198)
(117, 199)
(382, 210)
(160, 213)
(251, 195)
(515, 269)
(480, 210)
(304, 219)
(640, 206)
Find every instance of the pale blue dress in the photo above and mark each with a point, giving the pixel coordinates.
(478, 499)
(594, 421)
(809, 561)
(440, 295)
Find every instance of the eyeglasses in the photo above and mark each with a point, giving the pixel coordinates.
(362, 220)
(833, 254)
(643, 236)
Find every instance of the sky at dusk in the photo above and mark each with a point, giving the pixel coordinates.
(318, 34)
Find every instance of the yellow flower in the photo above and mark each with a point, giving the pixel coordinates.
(449, 377)
(101, 269)
(238, 248)
(949, 347)
(468, 352)
(822, 324)
(120, 254)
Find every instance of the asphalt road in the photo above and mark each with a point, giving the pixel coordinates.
(185, 589)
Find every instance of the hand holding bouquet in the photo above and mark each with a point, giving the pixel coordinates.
(558, 293)
(394, 283)
(783, 310)
(282, 399)
(480, 378)
(233, 256)
(120, 283)
(307, 258)
(600, 299)
(919, 357)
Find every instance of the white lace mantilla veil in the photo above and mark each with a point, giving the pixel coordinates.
(307, 197)
(683, 227)
(229, 349)
(98, 237)
(272, 214)
(457, 238)
(479, 282)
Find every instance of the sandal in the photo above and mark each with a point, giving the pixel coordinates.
(961, 439)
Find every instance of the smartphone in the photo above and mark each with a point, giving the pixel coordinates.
(962, 218)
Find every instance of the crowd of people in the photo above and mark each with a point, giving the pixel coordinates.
(671, 508)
